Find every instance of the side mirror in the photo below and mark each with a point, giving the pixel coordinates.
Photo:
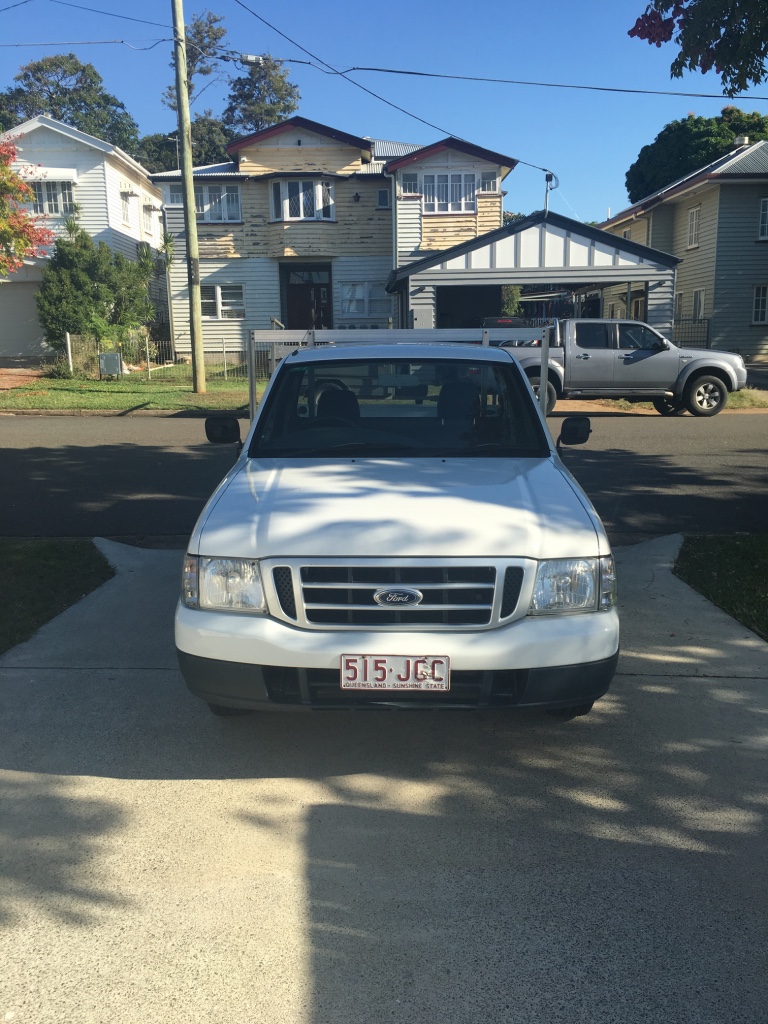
(222, 429)
(574, 430)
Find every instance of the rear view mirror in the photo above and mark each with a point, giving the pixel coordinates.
(222, 429)
(574, 430)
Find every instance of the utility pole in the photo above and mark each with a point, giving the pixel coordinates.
(190, 223)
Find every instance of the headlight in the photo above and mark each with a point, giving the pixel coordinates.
(566, 585)
(223, 584)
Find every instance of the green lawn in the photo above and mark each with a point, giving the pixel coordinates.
(124, 395)
(40, 578)
(732, 572)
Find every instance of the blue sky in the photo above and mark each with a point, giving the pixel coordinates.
(587, 138)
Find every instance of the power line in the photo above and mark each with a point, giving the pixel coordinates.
(109, 14)
(92, 42)
(551, 85)
(11, 7)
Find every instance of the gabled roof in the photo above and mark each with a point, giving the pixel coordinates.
(746, 163)
(44, 121)
(450, 143)
(291, 124)
(555, 220)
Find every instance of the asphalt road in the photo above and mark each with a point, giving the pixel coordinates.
(144, 480)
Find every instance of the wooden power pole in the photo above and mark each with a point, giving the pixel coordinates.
(190, 221)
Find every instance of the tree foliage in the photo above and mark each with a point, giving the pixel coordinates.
(88, 289)
(260, 98)
(209, 145)
(72, 92)
(730, 36)
(204, 35)
(21, 235)
(682, 147)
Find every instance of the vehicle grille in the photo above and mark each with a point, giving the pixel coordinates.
(452, 595)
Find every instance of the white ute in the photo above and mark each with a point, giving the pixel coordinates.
(398, 531)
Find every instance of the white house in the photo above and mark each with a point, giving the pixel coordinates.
(116, 203)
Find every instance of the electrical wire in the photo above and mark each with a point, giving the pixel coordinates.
(93, 42)
(109, 14)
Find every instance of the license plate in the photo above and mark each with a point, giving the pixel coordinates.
(395, 672)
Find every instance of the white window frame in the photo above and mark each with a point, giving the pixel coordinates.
(449, 192)
(489, 182)
(305, 199)
(699, 294)
(762, 226)
(227, 303)
(175, 194)
(365, 299)
(217, 203)
(409, 183)
(52, 198)
(125, 204)
(760, 304)
(694, 222)
(677, 313)
(148, 221)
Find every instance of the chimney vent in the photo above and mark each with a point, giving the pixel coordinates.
(741, 140)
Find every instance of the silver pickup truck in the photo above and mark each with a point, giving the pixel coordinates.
(628, 359)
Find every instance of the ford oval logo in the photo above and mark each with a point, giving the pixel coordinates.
(399, 597)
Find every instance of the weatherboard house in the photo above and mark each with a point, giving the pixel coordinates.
(715, 220)
(307, 226)
(70, 171)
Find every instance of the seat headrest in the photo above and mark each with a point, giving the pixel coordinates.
(336, 404)
(458, 400)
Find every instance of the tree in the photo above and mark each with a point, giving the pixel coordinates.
(87, 289)
(209, 146)
(21, 235)
(730, 36)
(204, 35)
(260, 98)
(72, 92)
(681, 147)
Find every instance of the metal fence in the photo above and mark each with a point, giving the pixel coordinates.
(688, 332)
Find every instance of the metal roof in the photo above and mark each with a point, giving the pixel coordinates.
(225, 170)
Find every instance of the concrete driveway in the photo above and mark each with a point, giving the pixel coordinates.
(162, 865)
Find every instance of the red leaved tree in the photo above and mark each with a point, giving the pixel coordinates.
(21, 234)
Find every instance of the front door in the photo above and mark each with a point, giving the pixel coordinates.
(306, 294)
(643, 361)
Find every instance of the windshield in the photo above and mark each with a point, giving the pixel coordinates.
(388, 408)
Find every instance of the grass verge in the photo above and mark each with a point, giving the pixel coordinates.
(40, 578)
(127, 395)
(732, 572)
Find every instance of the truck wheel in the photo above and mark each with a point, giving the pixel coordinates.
(706, 396)
(551, 393)
(669, 406)
(567, 714)
(222, 711)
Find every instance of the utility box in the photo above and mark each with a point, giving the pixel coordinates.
(110, 364)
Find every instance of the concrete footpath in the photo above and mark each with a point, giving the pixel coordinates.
(160, 865)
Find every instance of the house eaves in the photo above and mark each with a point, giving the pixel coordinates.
(746, 165)
(468, 148)
(303, 123)
(44, 121)
(227, 171)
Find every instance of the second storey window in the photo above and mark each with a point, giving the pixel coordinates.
(762, 232)
(449, 193)
(694, 217)
(52, 197)
(222, 301)
(410, 183)
(303, 200)
(217, 202)
(698, 304)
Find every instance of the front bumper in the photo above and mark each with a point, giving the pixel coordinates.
(534, 662)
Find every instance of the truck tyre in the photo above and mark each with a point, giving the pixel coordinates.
(706, 396)
(551, 393)
(669, 406)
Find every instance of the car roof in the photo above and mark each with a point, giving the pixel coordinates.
(398, 350)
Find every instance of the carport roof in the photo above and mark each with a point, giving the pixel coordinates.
(498, 258)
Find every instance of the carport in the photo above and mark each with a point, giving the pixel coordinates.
(606, 275)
